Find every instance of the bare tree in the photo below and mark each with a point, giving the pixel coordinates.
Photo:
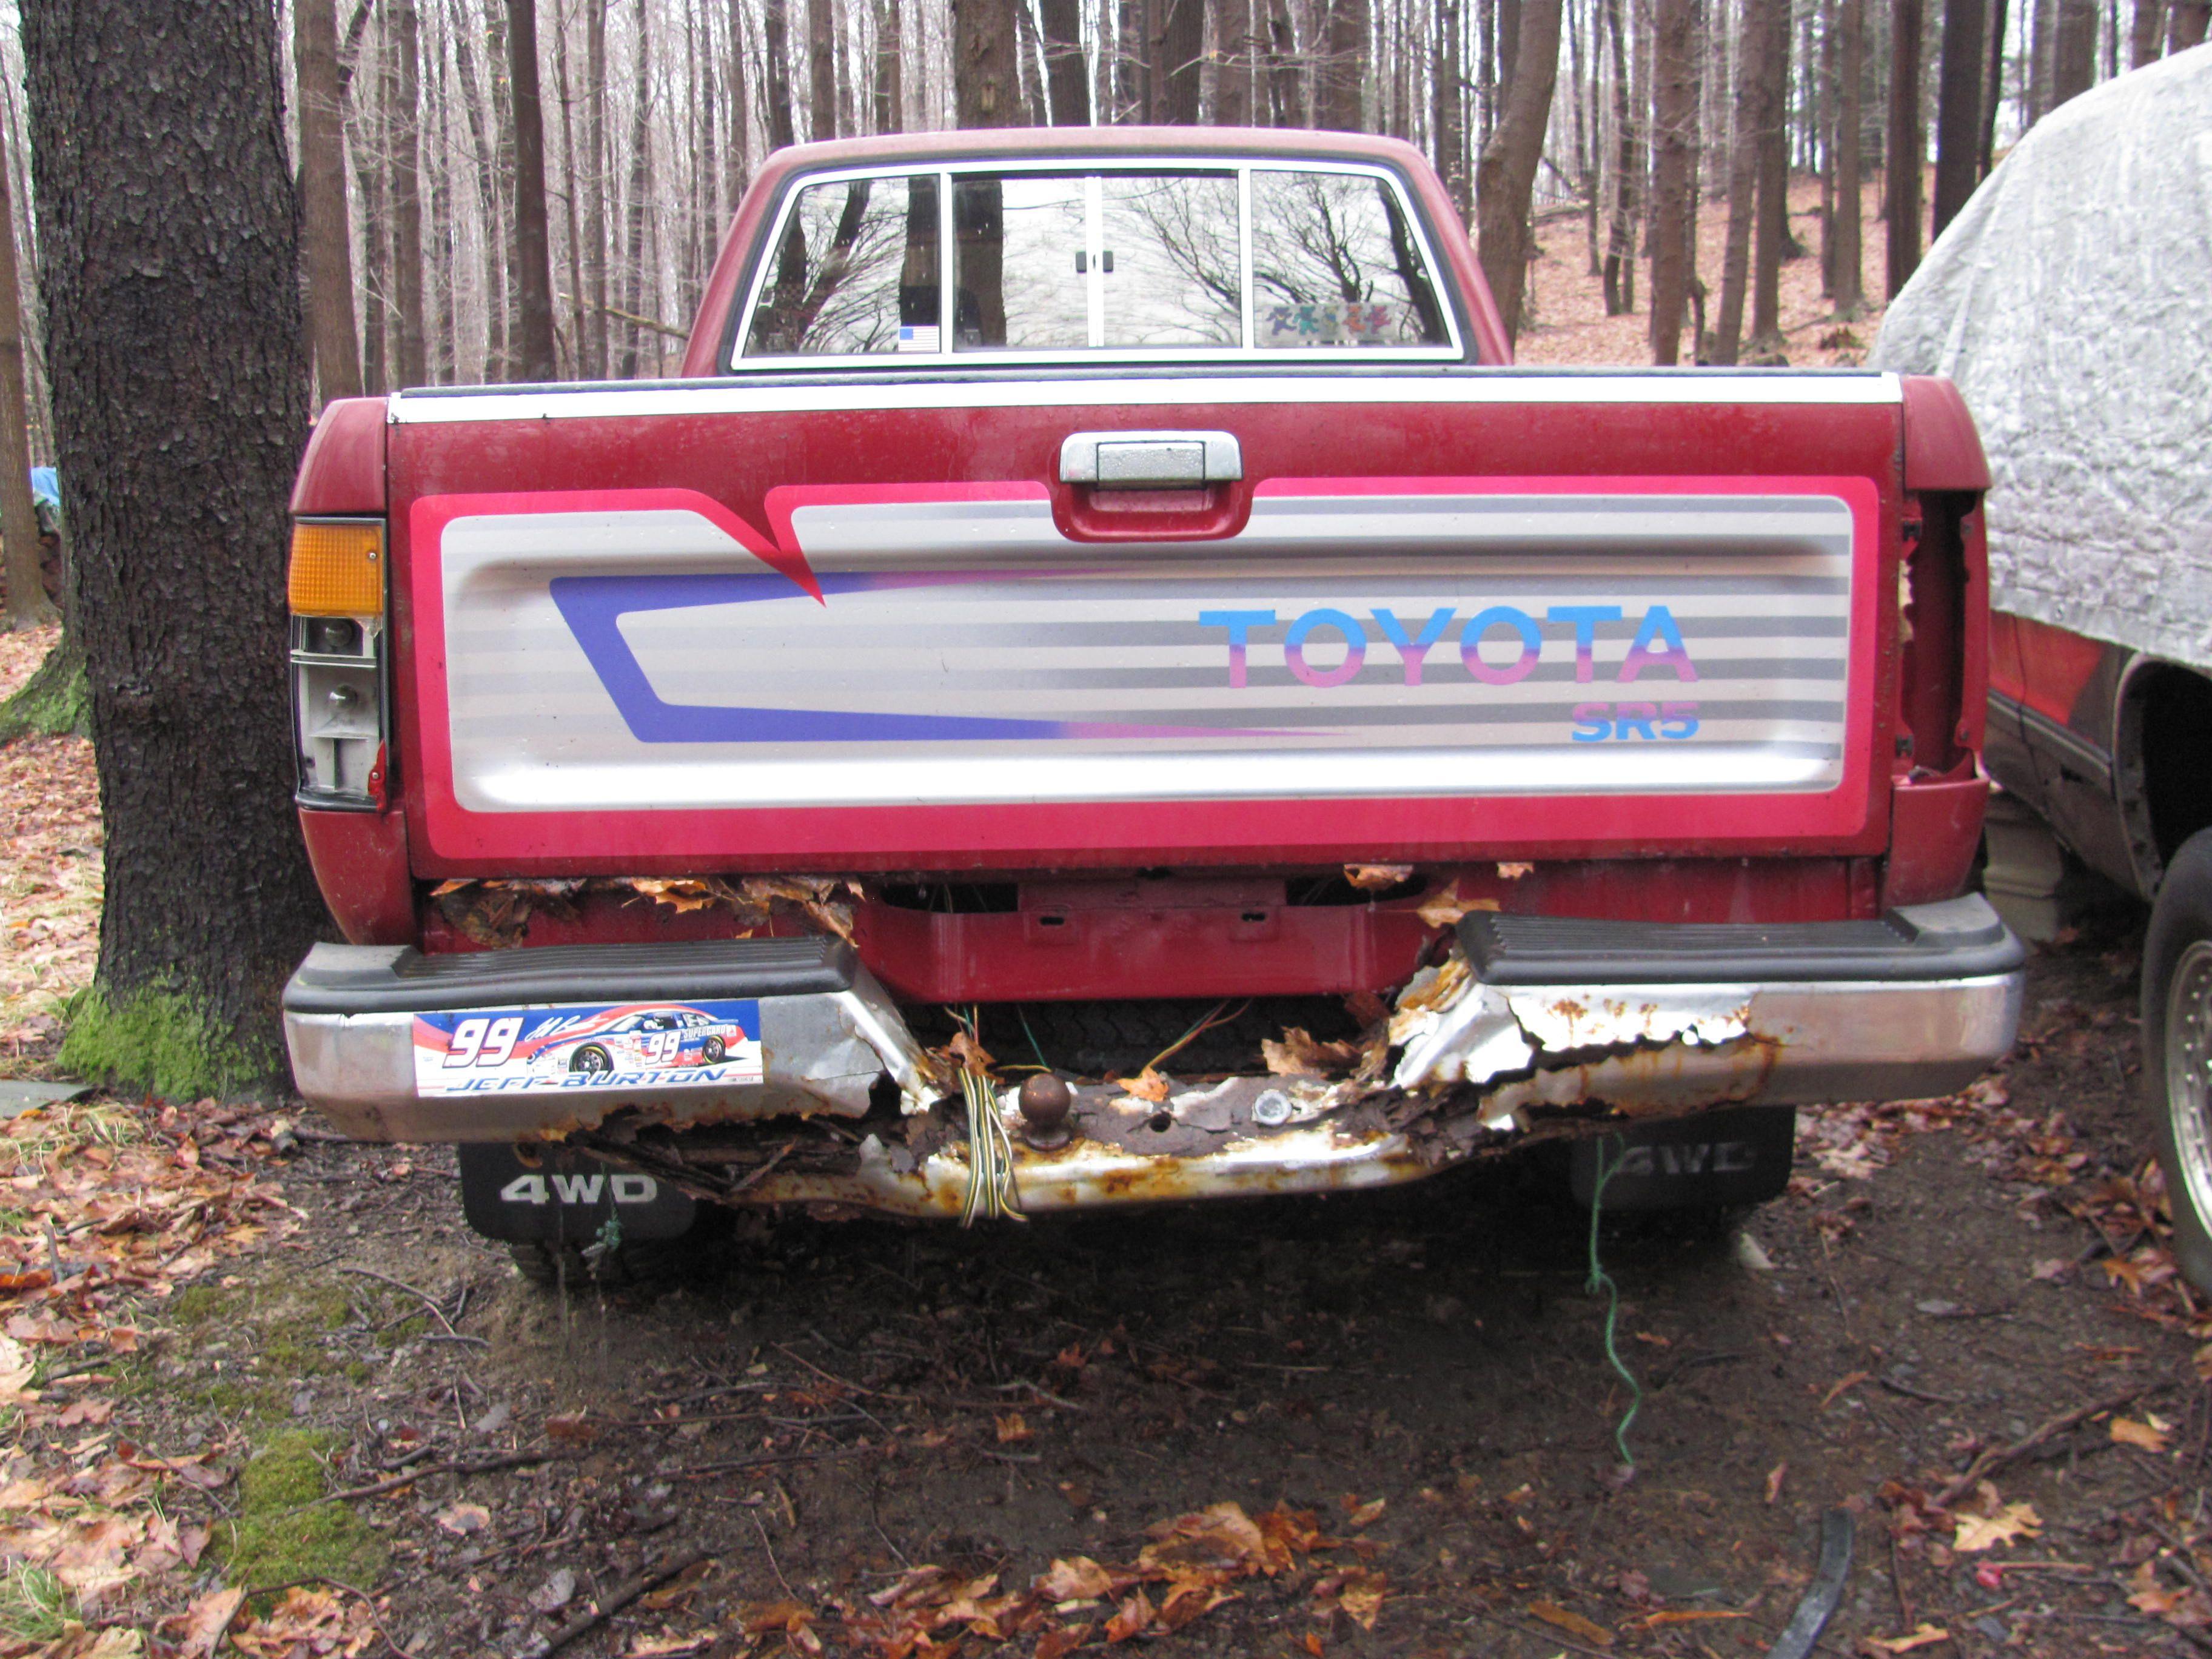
(1959, 110)
(2185, 24)
(2073, 51)
(1907, 143)
(776, 29)
(1182, 48)
(1754, 100)
(986, 88)
(1619, 245)
(1847, 276)
(1506, 172)
(1770, 234)
(403, 120)
(326, 235)
(592, 348)
(180, 398)
(533, 260)
(640, 170)
(822, 68)
(1674, 133)
(1066, 82)
(1339, 78)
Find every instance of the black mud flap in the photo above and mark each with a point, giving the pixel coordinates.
(1717, 1159)
(559, 1195)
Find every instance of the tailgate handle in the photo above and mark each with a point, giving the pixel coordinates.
(1149, 461)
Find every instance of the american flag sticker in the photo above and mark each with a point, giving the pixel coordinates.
(917, 338)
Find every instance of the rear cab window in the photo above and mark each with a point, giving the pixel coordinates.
(1000, 262)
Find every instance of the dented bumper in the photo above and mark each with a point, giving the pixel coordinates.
(1530, 1029)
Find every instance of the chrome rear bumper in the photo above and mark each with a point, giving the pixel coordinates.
(1484, 1054)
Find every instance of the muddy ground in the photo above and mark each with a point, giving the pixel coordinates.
(820, 1408)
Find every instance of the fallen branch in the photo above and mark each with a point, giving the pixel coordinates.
(424, 1296)
(1997, 1457)
(612, 1603)
(451, 1466)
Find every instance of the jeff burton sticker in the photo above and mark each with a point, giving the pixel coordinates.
(630, 1045)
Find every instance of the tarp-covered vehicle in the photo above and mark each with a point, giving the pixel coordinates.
(2067, 301)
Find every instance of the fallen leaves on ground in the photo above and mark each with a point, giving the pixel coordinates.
(1191, 1565)
(108, 1207)
(50, 889)
(1981, 1532)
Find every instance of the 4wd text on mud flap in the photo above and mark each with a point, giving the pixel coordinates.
(623, 1188)
(1691, 1159)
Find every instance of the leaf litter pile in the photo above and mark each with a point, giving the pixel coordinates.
(50, 873)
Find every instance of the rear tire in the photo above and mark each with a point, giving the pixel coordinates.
(2177, 1048)
(713, 1051)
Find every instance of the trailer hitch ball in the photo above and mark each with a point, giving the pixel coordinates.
(1045, 1102)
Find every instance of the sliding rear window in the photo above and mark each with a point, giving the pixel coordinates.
(1136, 264)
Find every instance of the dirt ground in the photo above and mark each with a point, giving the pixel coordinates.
(824, 1409)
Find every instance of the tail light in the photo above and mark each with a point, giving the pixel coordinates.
(337, 586)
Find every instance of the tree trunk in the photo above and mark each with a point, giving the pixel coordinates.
(634, 293)
(487, 199)
(986, 84)
(1992, 90)
(1282, 66)
(776, 82)
(1770, 221)
(822, 68)
(891, 98)
(162, 130)
(1620, 232)
(533, 256)
(1959, 110)
(403, 122)
(592, 348)
(1901, 193)
(1449, 120)
(1507, 171)
(2150, 21)
(1848, 278)
(2040, 19)
(326, 237)
(741, 128)
(1343, 69)
(502, 132)
(27, 603)
(1674, 122)
(2074, 51)
(368, 153)
(1182, 49)
(2185, 25)
(579, 324)
(1066, 77)
(1753, 96)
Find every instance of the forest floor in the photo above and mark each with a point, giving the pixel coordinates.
(1568, 324)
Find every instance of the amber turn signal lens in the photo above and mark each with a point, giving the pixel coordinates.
(337, 570)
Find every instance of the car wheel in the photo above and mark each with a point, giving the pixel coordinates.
(2177, 1048)
(712, 1048)
(590, 1058)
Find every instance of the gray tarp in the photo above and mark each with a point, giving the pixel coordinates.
(2072, 303)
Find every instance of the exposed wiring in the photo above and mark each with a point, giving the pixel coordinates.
(1601, 1280)
(991, 1190)
(1212, 1019)
(1022, 1013)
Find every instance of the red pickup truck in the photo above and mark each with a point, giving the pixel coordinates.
(1101, 682)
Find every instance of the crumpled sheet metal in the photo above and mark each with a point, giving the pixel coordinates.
(2068, 302)
(1560, 1046)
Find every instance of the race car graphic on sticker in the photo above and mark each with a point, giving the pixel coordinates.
(599, 1046)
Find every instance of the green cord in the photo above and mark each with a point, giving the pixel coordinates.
(1022, 1013)
(1601, 1280)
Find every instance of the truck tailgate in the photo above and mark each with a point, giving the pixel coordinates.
(868, 626)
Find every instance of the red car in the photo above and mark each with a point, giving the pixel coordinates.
(1106, 601)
